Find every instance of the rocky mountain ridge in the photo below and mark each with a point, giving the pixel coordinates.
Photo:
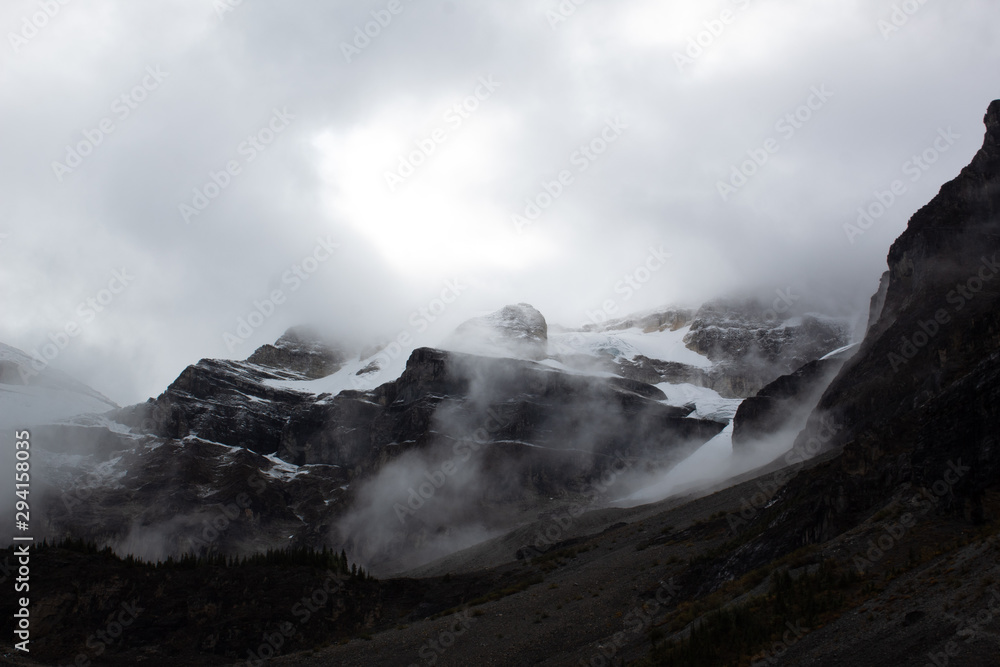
(228, 427)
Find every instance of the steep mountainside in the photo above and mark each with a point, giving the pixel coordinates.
(918, 407)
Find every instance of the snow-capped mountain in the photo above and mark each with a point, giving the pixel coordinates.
(317, 457)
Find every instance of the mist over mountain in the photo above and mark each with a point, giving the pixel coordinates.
(629, 334)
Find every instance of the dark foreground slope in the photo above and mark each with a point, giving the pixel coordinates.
(619, 586)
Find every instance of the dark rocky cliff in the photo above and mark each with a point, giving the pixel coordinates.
(444, 398)
(918, 407)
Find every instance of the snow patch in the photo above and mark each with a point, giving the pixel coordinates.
(708, 403)
(628, 344)
(838, 351)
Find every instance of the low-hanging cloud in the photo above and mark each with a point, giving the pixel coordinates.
(221, 74)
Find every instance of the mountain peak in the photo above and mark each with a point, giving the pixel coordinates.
(992, 120)
(517, 329)
(302, 350)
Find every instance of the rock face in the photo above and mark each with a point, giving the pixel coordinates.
(749, 344)
(223, 401)
(231, 402)
(919, 404)
(783, 403)
(444, 398)
(752, 346)
(517, 330)
(301, 351)
(157, 498)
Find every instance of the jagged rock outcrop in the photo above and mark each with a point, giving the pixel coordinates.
(749, 344)
(753, 346)
(445, 397)
(301, 351)
(784, 403)
(156, 497)
(519, 330)
(232, 402)
(220, 400)
(877, 302)
(654, 371)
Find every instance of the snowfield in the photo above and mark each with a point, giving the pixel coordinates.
(628, 344)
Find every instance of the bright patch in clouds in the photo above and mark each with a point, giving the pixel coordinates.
(653, 23)
(436, 211)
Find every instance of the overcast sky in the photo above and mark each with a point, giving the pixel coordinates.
(116, 115)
